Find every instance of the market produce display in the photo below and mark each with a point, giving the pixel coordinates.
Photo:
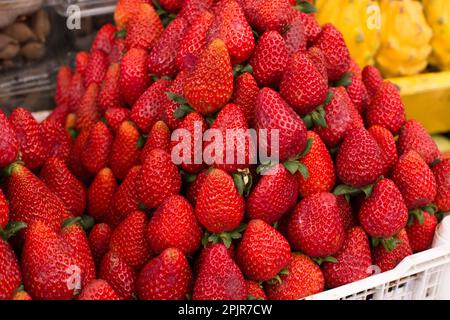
(100, 202)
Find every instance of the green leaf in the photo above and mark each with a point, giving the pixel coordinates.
(367, 190)
(205, 239)
(390, 244)
(330, 94)
(330, 259)
(121, 34)
(11, 229)
(430, 208)
(303, 170)
(291, 166)
(239, 182)
(309, 144)
(241, 228)
(284, 272)
(305, 7)
(71, 221)
(176, 97)
(141, 141)
(73, 132)
(252, 298)
(87, 222)
(226, 239)
(435, 162)
(264, 167)
(189, 177)
(415, 214)
(345, 81)
(343, 189)
(247, 69)
(142, 207)
(307, 120)
(182, 111)
(255, 34)
(375, 242)
(318, 117)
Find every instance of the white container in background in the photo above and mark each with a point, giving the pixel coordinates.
(442, 238)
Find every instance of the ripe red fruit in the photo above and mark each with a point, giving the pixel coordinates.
(104, 40)
(269, 59)
(442, 174)
(158, 138)
(346, 211)
(421, 229)
(193, 8)
(96, 68)
(76, 91)
(99, 238)
(95, 155)
(81, 62)
(219, 278)
(245, 93)
(126, 10)
(172, 6)
(98, 290)
(304, 279)
(110, 96)
(388, 260)
(74, 159)
(194, 188)
(118, 49)
(10, 277)
(115, 116)
(4, 211)
(126, 199)
(255, 291)
(100, 195)
(415, 180)
(353, 260)
(174, 225)
(9, 146)
(372, 80)
(265, 15)
(219, 206)
(357, 90)
(295, 37)
(386, 143)
(213, 70)
(275, 194)
(29, 137)
(168, 110)
(119, 275)
(316, 227)
(63, 80)
(311, 26)
(88, 113)
(358, 161)
(166, 277)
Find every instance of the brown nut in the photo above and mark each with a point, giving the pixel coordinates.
(10, 51)
(21, 32)
(41, 25)
(33, 50)
(5, 40)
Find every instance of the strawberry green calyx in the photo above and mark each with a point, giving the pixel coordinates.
(349, 191)
(241, 69)
(252, 298)
(388, 244)
(11, 229)
(141, 141)
(184, 109)
(165, 16)
(345, 81)
(317, 117)
(188, 177)
(73, 132)
(121, 34)
(293, 164)
(85, 221)
(226, 237)
(321, 260)
(243, 180)
(7, 171)
(305, 6)
(277, 278)
(417, 214)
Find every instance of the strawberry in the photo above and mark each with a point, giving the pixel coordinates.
(158, 138)
(274, 195)
(346, 211)
(96, 68)
(255, 291)
(172, 6)
(170, 106)
(317, 58)
(147, 109)
(304, 279)
(387, 260)
(115, 116)
(219, 278)
(174, 225)
(358, 161)
(10, 277)
(442, 174)
(28, 135)
(263, 252)
(337, 56)
(372, 80)
(118, 274)
(420, 229)
(88, 113)
(194, 188)
(57, 141)
(144, 28)
(245, 93)
(9, 146)
(302, 85)
(109, 96)
(194, 41)
(64, 185)
(118, 49)
(159, 178)
(318, 162)
(99, 239)
(76, 91)
(98, 290)
(74, 160)
(95, 154)
(353, 260)
(81, 62)
(311, 26)
(104, 40)
(413, 136)
(4, 211)
(193, 8)
(100, 195)
(134, 78)
(265, 15)
(125, 10)
(125, 150)
(273, 113)
(63, 80)
(386, 109)
(128, 239)
(56, 264)
(415, 180)
(269, 59)
(213, 69)
(166, 277)
(161, 60)
(125, 200)
(386, 143)
(295, 36)
(219, 206)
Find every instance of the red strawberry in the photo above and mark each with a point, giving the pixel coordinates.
(245, 93)
(337, 56)
(125, 200)
(28, 135)
(274, 195)
(269, 59)
(194, 188)
(81, 62)
(346, 211)
(415, 180)
(304, 279)
(147, 109)
(158, 138)
(57, 141)
(174, 225)
(159, 178)
(386, 109)
(99, 239)
(255, 291)
(4, 211)
(372, 80)
(125, 150)
(9, 146)
(100, 195)
(64, 185)
(144, 28)
(98, 290)
(421, 229)
(388, 260)
(96, 68)
(442, 174)
(311, 26)
(358, 161)
(353, 260)
(119, 275)
(56, 264)
(125, 10)
(115, 116)
(128, 239)
(386, 143)
(118, 49)
(219, 278)
(161, 60)
(172, 6)
(321, 176)
(95, 154)
(134, 78)
(76, 91)
(413, 136)
(170, 106)
(317, 58)
(10, 277)
(219, 206)
(194, 41)
(166, 277)
(273, 113)
(104, 40)
(63, 79)
(265, 15)
(213, 69)
(88, 113)
(295, 36)
(263, 251)
(193, 8)
(74, 160)
(110, 96)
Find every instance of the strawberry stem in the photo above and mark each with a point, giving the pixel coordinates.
(305, 7)
(11, 229)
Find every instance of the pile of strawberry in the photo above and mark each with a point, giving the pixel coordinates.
(93, 206)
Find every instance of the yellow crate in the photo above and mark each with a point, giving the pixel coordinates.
(427, 99)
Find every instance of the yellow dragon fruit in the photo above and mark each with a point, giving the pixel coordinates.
(356, 19)
(405, 38)
(437, 13)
